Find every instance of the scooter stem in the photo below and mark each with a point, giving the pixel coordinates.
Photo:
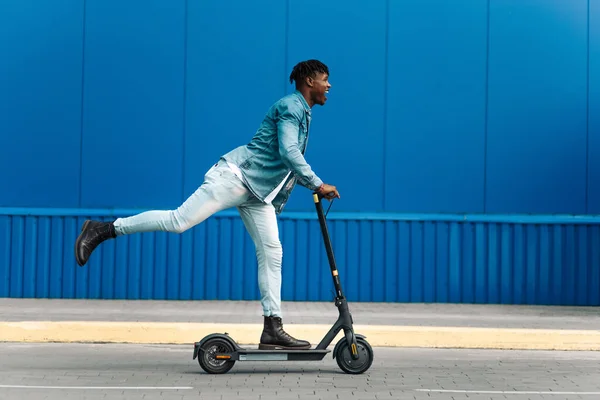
(344, 320)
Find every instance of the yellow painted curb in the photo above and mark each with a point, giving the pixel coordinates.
(249, 334)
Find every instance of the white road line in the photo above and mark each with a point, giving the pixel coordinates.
(507, 392)
(98, 387)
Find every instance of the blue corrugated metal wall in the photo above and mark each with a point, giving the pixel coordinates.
(400, 259)
(437, 107)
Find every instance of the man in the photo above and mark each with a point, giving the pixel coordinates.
(257, 179)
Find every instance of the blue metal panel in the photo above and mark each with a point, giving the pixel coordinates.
(435, 112)
(403, 276)
(422, 261)
(409, 95)
(16, 262)
(593, 264)
(235, 70)
(593, 107)
(379, 260)
(390, 255)
(5, 256)
(455, 263)
(536, 157)
(40, 102)
(349, 128)
(132, 139)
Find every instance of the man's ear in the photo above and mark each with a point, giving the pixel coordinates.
(309, 81)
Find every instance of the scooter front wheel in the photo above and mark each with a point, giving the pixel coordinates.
(207, 357)
(344, 356)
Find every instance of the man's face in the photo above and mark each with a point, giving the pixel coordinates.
(320, 87)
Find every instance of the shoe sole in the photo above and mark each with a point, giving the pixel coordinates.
(277, 347)
(78, 242)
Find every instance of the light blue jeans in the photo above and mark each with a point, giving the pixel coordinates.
(220, 190)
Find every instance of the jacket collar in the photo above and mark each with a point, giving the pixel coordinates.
(303, 101)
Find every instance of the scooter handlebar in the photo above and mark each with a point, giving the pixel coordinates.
(318, 197)
(326, 196)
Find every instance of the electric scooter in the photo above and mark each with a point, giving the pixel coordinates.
(218, 352)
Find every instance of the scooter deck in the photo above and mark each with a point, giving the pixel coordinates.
(274, 355)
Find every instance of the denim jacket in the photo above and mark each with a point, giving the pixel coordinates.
(277, 148)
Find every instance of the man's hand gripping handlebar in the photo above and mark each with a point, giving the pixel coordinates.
(328, 192)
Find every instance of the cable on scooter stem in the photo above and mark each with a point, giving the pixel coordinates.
(330, 204)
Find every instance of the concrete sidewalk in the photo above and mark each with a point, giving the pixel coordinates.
(384, 324)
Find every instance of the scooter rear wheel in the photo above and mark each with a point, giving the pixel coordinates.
(207, 359)
(344, 359)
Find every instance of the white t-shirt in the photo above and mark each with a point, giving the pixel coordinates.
(271, 195)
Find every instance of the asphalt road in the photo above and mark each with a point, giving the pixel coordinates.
(107, 371)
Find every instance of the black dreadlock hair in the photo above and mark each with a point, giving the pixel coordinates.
(304, 69)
